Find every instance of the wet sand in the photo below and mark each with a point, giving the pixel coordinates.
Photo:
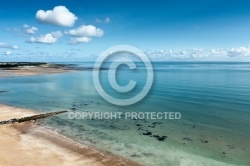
(29, 71)
(31, 144)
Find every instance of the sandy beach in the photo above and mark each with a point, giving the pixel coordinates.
(31, 144)
(30, 71)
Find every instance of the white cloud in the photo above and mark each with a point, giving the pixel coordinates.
(60, 15)
(5, 45)
(57, 34)
(77, 40)
(26, 26)
(240, 51)
(47, 38)
(7, 53)
(107, 20)
(85, 31)
(201, 54)
(30, 30)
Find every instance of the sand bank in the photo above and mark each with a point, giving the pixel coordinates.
(29, 71)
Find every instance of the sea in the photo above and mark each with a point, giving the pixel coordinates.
(213, 99)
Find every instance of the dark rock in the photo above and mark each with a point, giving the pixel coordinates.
(154, 123)
(30, 118)
(231, 146)
(187, 139)
(147, 154)
(147, 133)
(73, 109)
(160, 138)
(135, 155)
(204, 141)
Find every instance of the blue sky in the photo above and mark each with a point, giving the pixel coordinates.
(182, 29)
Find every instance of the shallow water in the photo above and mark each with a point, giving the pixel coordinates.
(213, 98)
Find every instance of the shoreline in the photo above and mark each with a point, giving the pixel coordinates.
(31, 69)
(51, 148)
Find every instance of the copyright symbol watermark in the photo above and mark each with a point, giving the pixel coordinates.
(112, 70)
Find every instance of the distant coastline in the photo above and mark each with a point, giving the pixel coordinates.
(10, 69)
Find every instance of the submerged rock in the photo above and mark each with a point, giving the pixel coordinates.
(147, 133)
(204, 141)
(160, 138)
(187, 139)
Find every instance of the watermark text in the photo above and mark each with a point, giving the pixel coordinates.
(125, 115)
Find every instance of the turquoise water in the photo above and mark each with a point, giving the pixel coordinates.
(213, 98)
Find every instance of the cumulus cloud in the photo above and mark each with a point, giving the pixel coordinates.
(106, 20)
(201, 54)
(60, 15)
(57, 34)
(7, 53)
(86, 31)
(30, 30)
(47, 38)
(239, 51)
(77, 40)
(196, 53)
(5, 45)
